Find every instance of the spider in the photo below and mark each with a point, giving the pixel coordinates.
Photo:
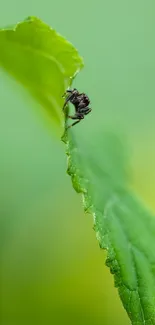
(80, 102)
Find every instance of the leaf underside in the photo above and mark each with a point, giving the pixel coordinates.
(41, 60)
(45, 63)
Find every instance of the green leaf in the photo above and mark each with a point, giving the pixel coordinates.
(40, 59)
(46, 64)
(123, 225)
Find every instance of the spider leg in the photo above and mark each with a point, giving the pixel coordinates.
(88, 111)
(67, 91)
(77, 117)
(74, 117)
(73, 124)
(85, 110)
(67, 100)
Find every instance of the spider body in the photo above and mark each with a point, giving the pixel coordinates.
(81, 103)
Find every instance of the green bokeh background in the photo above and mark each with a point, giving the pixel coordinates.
(51, 268)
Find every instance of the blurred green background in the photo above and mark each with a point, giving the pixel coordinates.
(51, 268)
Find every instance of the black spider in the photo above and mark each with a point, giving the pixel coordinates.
(80, 102)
